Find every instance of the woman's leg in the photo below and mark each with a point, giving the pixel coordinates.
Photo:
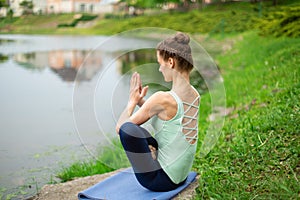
(135, 141)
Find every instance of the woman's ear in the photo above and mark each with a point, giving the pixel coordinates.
(171, 62)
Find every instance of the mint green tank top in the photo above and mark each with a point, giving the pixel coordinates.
(175, 150)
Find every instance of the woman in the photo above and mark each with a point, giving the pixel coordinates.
(162, 162)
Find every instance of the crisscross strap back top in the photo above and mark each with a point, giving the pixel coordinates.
(177, 139)
(190, 121)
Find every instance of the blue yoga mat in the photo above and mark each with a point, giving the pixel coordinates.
(123, 186)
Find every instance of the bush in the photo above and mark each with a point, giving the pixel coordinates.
(84, 17)
(281, 22)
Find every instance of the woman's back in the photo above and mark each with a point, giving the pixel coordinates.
(177, 137)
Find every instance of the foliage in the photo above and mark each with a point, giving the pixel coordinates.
(284, 21)
(107, 160)
(257, 155)
(84, 17)
(27, 6)
(81, 169)
(3, 3)
(3, 57)
(149, 3)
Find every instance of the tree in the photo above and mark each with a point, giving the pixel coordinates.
(27, 7)
(3, 3)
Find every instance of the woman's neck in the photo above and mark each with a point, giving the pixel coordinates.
(181, 81)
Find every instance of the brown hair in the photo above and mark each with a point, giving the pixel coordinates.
(178, 48)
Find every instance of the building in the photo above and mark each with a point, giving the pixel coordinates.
(14, 5)
(62, 6)
(40, 6)
(80, 6)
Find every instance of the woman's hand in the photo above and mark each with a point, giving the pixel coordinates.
(137, 92)
(153, 151)
(136, 95)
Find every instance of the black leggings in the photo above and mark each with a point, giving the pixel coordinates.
(135, 141)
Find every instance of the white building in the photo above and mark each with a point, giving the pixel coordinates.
(40, 6)
(16, 8)
(80, 6)
(62, 6)
(3, 12)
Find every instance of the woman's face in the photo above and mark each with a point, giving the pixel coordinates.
(164, 68)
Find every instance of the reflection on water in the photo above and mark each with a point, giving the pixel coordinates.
(3, 58)
(66, 64)
(63, 63)
(145, 62)
(3, 41)
(135, 60)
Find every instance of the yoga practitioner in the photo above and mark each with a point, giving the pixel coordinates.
(162, 162)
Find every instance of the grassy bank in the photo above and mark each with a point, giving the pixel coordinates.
(215, 19)
(229, 18)
(257, 156)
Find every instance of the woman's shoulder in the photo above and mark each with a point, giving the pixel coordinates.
(162, 96)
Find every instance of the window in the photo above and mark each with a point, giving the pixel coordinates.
(82, 8)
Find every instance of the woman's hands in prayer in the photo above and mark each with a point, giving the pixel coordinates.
(137, 91)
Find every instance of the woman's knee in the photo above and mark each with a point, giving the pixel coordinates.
(129, 129)
(127, 133)
(126, 126)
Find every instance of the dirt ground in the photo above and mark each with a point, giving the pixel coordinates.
(69, 190)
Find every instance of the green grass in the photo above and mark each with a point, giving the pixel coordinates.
(257, 156)
(82, 169)
(107, 159)
(34, 24)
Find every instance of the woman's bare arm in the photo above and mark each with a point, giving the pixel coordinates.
(152, 106)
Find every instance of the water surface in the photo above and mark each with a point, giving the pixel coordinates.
(56, 101)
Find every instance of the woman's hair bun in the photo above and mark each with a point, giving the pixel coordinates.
(182, 38)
